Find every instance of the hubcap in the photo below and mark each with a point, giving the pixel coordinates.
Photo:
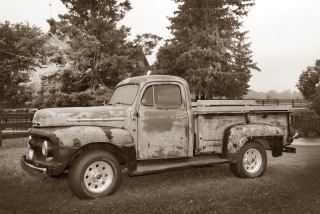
(252, 160)
(98, 177)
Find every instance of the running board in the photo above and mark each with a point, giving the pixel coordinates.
(163, 165)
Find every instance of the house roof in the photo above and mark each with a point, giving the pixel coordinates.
(65, 45)
(62, 44)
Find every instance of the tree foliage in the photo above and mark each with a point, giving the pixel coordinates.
(308, 85)
(55, 93)
(208, 48)
(308, 80)
(100, 53)
(22, 50)
(60, 99)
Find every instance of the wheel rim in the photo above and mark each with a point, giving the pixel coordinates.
(98, 177)
(252, 160)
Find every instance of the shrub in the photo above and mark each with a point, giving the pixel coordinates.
(307, 123)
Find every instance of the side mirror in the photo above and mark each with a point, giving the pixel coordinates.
(144, 103)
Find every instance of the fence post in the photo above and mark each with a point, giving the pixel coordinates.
(0, 128)
(292, 103)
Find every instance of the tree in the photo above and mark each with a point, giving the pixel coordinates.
(208, 48)
(271, 94)
(22, 50)
(308, 80)
(100, 53)
(308, 85)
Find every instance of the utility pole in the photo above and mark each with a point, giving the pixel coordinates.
(50, 10)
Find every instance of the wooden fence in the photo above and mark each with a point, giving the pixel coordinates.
(15, 122)
(295, 103)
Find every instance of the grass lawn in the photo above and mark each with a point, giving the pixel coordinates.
(290, 185)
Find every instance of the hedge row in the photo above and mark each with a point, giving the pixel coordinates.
(307, 123)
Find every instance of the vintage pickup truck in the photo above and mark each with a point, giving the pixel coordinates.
(150, 125)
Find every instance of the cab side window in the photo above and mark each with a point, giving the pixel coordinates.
(162, 96)
(167, 95)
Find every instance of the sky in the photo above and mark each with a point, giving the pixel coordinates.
(285, 34)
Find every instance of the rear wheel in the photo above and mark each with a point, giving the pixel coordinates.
(252, 161)
(95, 174)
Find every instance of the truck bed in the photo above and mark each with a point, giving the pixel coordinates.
(212, 118)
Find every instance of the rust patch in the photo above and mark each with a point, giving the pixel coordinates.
(161, 132)
(77, 116)
(158, 124)
(165, 153)
(76, 142)
(108, 134)
(186, 129)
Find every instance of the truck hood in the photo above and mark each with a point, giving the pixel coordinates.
(112, 116)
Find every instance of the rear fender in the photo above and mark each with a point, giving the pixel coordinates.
(236, 136)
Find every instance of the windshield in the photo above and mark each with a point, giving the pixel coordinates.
(124, 95)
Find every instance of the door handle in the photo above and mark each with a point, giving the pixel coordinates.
(183, 117)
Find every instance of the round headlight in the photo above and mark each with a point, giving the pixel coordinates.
(45, 148)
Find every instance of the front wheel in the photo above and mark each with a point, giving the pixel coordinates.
(252, 161)
(95, 174)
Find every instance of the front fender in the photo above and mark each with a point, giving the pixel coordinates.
(79, 136)
(68, 140)
(236, 136)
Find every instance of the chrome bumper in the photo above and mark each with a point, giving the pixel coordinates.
(37, 171)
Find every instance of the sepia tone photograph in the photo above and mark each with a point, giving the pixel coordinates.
(159, 106)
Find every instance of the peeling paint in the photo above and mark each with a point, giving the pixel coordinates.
(76, 142)
(108, 134)
(237, 136)
(95, 116)
(161, 134)
(158, 124)
(67, 140)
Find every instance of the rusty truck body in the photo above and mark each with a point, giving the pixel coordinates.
(150, 125)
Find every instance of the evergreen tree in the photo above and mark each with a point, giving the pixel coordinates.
(208, 49)
(99, 52)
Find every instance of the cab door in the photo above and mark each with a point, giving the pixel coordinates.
(162, 122)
